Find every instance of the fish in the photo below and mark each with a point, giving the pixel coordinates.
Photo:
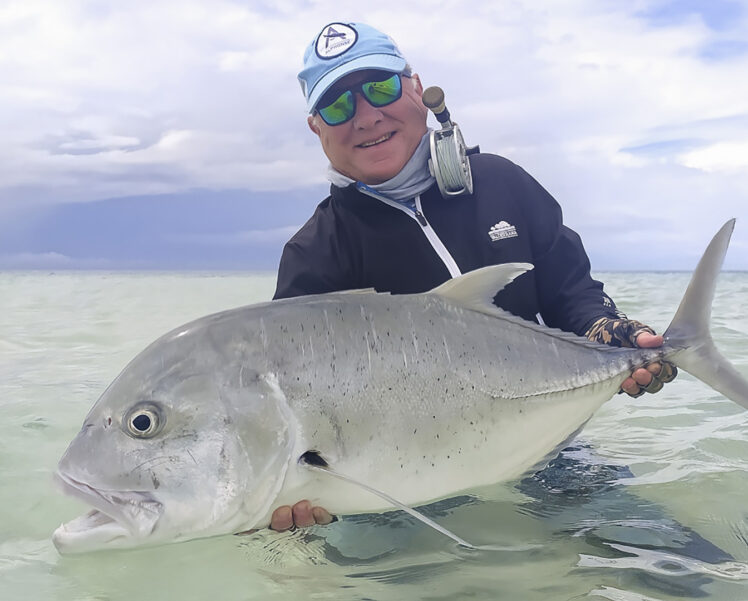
(357, 400)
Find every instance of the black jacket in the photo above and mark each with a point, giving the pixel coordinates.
(356, 241)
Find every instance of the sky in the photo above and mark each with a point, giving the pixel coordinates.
(167, 134)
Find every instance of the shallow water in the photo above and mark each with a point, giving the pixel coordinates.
(648, 503)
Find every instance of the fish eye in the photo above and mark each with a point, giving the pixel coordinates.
(144, 421)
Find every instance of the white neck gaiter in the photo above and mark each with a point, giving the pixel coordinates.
(413, 179)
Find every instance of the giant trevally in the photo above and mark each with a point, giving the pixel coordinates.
(419, 397)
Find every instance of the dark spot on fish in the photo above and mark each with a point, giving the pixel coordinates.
(155, 481)
(108, 421)
(313, 458)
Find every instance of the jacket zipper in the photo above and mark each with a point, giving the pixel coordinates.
(431, 236)
(426, 228)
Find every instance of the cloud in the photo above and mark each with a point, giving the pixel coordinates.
(725, 156)
(715, 14)
(721, 50)
(235, 61)
(619, 109)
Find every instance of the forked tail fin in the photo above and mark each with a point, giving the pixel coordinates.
(689, 334)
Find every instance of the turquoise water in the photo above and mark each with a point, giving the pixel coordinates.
(649, 503)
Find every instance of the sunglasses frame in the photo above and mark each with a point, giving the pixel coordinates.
(359, 87)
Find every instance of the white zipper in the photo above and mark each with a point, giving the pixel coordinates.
(436, 242)
(420, 218)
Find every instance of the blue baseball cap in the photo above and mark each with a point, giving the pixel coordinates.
(342, 48)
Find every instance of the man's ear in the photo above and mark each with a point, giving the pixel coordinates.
(312, 123)
(417, 83)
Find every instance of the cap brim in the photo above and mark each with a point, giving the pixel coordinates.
(384, 62)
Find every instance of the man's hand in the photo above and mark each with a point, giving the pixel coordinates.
(631, 333)
(301, 515)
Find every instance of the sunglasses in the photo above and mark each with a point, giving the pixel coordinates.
(337, 107)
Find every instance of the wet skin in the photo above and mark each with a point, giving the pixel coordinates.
(301, 515)
(642, 376)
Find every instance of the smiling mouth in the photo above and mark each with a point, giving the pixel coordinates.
(384, 138)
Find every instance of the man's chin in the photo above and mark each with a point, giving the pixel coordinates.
(379, 171)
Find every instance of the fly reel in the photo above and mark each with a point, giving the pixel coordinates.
(449, 162)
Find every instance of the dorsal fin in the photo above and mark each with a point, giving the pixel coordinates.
(477, 288)
(358, 291)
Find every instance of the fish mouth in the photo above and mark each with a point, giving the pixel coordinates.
(118, 518)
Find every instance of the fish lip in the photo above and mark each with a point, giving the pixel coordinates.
(136, 513)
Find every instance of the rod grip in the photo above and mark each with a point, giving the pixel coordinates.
(433, 98)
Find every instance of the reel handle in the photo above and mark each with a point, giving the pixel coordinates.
(433, 98)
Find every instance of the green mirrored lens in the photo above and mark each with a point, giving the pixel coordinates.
(339, 110)
(381, 93)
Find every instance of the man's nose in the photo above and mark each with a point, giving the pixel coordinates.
(366, 115)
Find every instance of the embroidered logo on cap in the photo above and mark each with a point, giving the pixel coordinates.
(335, 39)
(501, 231)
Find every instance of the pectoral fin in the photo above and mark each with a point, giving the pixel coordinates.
(314, 461)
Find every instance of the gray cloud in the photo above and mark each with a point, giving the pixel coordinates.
(633, 117)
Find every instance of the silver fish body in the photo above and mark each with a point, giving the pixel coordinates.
(420, 396)
(427, 394)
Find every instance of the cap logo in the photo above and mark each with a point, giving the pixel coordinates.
(335, 39)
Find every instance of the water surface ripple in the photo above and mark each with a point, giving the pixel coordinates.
(647, 504)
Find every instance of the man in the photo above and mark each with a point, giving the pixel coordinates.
(386, 225)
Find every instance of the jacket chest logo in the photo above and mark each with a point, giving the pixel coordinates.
(501, 231)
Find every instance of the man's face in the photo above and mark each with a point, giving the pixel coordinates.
(377, 142)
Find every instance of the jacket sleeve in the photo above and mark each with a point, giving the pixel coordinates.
(570, 299)
(314, 260)
(300, 274)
